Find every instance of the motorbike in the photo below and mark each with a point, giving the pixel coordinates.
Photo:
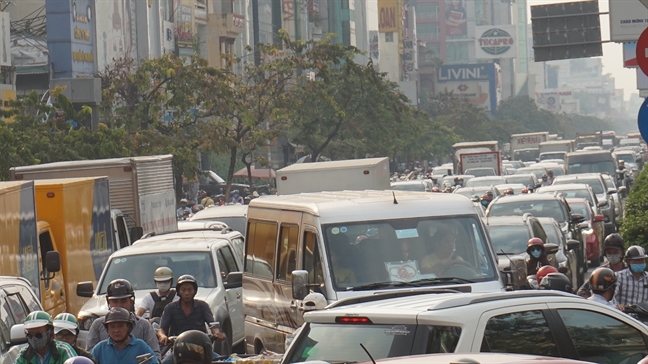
(638, 310)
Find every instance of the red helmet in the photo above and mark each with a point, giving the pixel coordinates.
(544, 270)
(509, 191)
(534, 243)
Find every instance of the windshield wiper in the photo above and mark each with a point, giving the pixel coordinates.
(438, 280)
(377, 285)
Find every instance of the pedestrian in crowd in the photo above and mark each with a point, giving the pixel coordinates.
(120, 294)
(206, 200)
(183, 210)
(42, 348)
(236, 198)
(632, 284)
(66, 329)
(613, 248)
(121, 346)
(157, 300)
(603, 282)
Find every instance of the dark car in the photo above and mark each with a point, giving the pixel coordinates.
(567, 255)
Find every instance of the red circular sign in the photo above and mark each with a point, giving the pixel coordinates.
(642, 51)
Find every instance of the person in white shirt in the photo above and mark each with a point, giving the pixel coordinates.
(156, 301)
(603, 281)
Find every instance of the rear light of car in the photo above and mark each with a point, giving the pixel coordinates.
(352, 320)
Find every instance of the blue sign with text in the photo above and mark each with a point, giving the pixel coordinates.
(71, 37)
(642, 120)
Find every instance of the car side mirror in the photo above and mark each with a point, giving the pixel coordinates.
(233, 280)
(299, 284)
(602, 203)
(583, 225)
(577, 218)
(611, 191)
(622, 189)
(17, 335)
(573, 244)
(84, 289)
(599, 218)
(53, 261)
(550, 248)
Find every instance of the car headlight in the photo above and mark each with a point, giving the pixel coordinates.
(85, 322)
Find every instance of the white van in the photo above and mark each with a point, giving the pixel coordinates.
(350, 243)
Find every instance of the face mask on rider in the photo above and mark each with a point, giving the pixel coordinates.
(536, 253)
(163, 286)
(613, 258)
(638, 268)
(38, 341)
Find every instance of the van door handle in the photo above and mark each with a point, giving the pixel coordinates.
(293, 305)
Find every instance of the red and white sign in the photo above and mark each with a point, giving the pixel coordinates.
(642, 51)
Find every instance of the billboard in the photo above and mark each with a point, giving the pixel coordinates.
(389, 16)
(479, 83)
(495, 42)
(116, 31)
(630, 55)
(185, 23)
(551, 100)
(627, 21)
(456, 18)
(168, 37)
(71, 37)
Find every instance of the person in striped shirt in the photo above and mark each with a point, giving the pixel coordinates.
(632, 283)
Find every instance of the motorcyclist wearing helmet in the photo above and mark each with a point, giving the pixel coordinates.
(543, 271)
(486, 200)
(79, 360)
(545, 181)
(157, 300)
(633, 282)
(550, 177)
(120, 294)
(537, 257)
(42, 348)
(613, 248)
(508, 192)
(192, 347)
(187, 313)
(66, 329)
(556, 282)
(603, 282)
(121, 346)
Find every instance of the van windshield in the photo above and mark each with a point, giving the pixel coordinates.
(407, 250)
(340, 343)
(549, 155)
(592, 167)
(139, 269)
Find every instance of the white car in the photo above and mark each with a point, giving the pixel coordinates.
(232, 215)
(548, 323)
(213, 257)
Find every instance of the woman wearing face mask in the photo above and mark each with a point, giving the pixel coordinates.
(156, 301)
(613, 247)
(42, 348)
(537, 257)
(633, 282)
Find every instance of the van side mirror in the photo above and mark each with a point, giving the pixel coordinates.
(233, 280)
(136, 233)
(17, 335)
(53, 261)
(573, 244)
(299, 284)
(550, 248)
(84, 289)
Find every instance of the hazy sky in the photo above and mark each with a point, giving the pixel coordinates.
(625, 78)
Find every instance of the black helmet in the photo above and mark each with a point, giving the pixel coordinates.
(192, 346)
(119, 288)
(557, 282)
(602, 279)
(118, 314)
(614, 240)
(186, 278)
(635, 252)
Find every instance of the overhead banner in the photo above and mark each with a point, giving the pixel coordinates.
(628, 18)
(389, 16)
(479, 83)
(495, 42)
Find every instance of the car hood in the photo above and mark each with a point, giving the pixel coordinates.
(98, 306)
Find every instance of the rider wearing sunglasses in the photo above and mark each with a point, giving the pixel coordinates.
(42, 348)
(537, 257)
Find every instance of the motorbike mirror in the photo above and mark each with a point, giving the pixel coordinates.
(599, 218)
(550, 248)
(577, 218)
(573, 244)
(611, 191)
(602, 203)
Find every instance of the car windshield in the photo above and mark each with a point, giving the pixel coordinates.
(469, 192)
(547, 208)
(138, 269)
(526, 155)
(408, 187)
(524, 179)
(480, 172)
(538, 172)
(404, 250)
(510, 239)
(626, 157)
(557, 155)
(595, 183)
(340, 343)
(488, 181)
(571, 193)
(554, 236)
(592, 167)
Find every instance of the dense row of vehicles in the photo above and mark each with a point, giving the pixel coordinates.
(365, 252)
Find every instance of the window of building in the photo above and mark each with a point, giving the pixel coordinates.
(428, 31)
(427, 11)
(389, 37)
(261, 248)
(433, 50)
(525, 332)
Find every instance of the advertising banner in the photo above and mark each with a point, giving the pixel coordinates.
(5, 39)
(116, 31)
(456, 18)
(495, 42)
(374, 47)
(168, 37)
(551, 100)
(628, 18)
(409, 56)
(185, 24)
(630, 55)
(71, 37)
(389, 16)
(476, 82)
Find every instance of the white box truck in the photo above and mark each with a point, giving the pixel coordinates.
(142, 194)
(524, 147)
(353, 174)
